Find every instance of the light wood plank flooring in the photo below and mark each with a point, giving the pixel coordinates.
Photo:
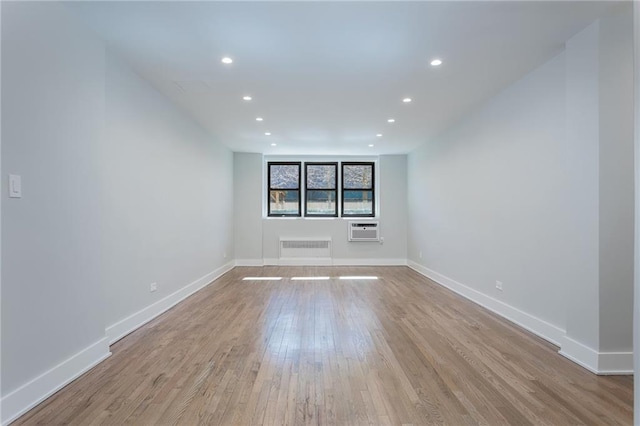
(399, 350)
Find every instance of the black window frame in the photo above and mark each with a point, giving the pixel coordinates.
(269, 189)
(307, 190)
(372, 189)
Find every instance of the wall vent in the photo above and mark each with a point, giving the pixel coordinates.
(364, 231)
(305, 248)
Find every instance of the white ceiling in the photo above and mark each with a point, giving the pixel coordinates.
(326, 76)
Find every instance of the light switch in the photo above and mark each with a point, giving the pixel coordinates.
(15, 186)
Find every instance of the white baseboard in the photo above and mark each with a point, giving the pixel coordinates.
(580, 354)
(249, 262)
(301, 261)
(601, 363)
(333, 262)
(27, 396)
(123, 327)
(547, 331)
(370, 262)
(615, 364)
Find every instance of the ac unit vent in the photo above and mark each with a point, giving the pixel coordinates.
(364, 231)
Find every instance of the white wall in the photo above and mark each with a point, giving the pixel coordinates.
(168, 196)
(391, 176)
(535, 189)
(120, 189)
(616, 180)
(583, 145)
(247, 172)
(53, 127)
(636, 305)
(489, 200)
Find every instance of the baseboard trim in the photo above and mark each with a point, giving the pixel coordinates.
(601, 363)
(537, 326)
(333, 262)
(131, 323)
(580, 354)
(292, 261)
(370, 262)
(249, 262)
(27, 396)
(615, 364)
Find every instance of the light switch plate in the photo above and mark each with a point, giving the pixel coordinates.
(15, 186)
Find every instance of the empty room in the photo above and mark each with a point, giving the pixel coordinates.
(319, 212)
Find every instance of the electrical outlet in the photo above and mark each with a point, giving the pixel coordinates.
(381, 240)
(499, 285)
(153, 287)
(224, 255)
(420, 254)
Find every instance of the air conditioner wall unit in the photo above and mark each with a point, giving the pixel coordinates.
(364, 231)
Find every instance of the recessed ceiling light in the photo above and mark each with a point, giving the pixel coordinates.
(379, 135)
(274, 144)
(436, 62)
(259, 119)
(406, 100)
(227, 60)
(267, 133)
(247, 98)
(370, 145)
(391, 120)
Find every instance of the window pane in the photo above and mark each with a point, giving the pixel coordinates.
(321, 176)
(358, 202)
(284, 202)
(285, 176)
(321, 203)
(357, 176)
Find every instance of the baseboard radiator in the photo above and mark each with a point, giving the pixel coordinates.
(298, 249)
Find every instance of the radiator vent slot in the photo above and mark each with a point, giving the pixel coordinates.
(307, 248)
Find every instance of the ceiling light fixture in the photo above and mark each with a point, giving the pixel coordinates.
(379, 135)
(247, 98)
(436, 62)
(274, 144)
(406, 100)
(370, 145)
(267, 133)
(259, 118)
(227, 60)
(391, 120)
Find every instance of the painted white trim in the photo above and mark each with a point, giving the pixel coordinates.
(249, 262)
(601, 363)
(370, 262)
(580, 354)
(27, 396)
(537, 326)
(301, 261)
(131, 323)
(333, 262)
(615, 363)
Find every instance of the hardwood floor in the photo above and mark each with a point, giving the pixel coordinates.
(399, 350)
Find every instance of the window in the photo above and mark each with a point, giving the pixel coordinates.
(321, 189)
(284, 189)
(358, 195)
